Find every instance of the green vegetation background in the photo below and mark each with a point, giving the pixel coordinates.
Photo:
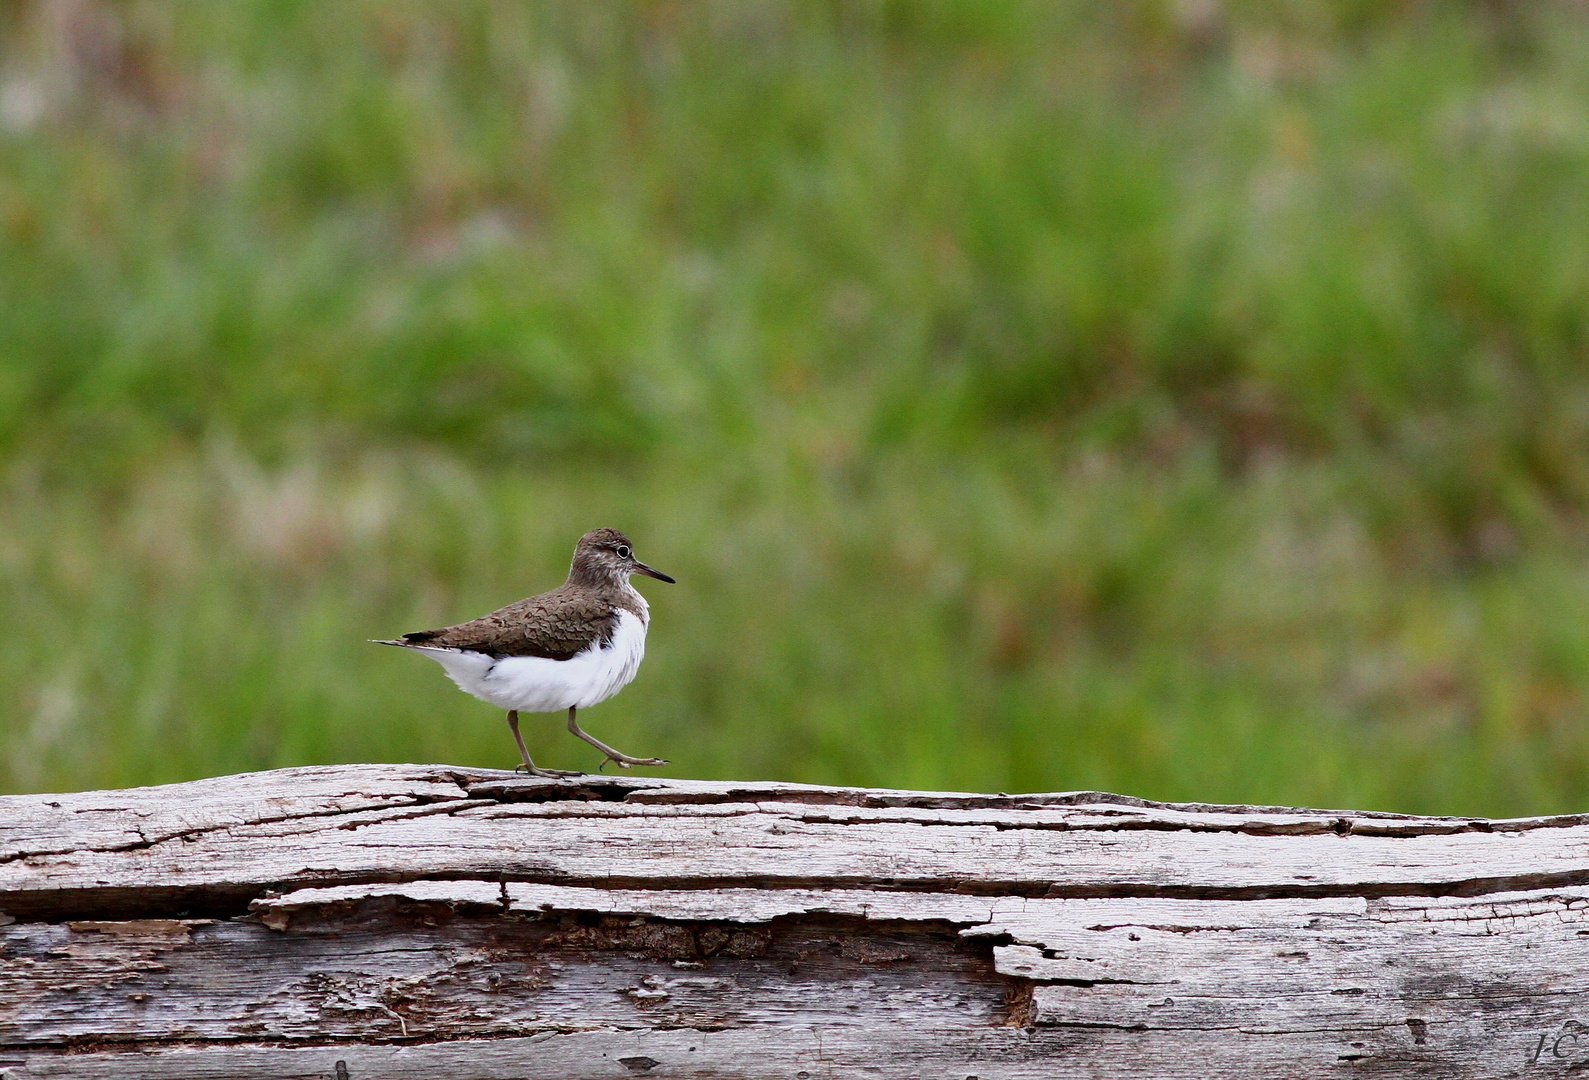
(1187, 399)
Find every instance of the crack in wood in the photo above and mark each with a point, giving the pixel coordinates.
(145, 841)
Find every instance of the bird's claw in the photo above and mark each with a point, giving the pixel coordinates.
(554, 774)
(626, 761)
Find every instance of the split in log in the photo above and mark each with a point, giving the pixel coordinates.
(399, 922)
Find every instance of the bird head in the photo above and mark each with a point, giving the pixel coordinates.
(607, 556)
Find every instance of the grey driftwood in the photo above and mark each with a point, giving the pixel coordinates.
(392, 922)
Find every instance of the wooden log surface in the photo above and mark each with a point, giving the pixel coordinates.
(416, 921)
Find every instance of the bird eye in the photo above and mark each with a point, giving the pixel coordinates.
(623, 551)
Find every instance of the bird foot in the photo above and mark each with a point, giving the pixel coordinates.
(555, 774)
(624, 761)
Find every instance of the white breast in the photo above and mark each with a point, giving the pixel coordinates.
(535, 684)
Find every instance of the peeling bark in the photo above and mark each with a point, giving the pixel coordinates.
(407, 921)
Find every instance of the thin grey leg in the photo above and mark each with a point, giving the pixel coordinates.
(530, 766)
(624, 760)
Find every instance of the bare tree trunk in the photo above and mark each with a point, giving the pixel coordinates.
(397, 922)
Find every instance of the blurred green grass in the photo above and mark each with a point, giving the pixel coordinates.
(1181, 398)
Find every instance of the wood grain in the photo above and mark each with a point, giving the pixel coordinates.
(413, 921)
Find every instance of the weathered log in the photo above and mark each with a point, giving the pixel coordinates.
(404, 921)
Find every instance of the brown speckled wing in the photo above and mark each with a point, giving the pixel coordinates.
(555, 625)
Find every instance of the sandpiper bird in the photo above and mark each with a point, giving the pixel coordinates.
(565, 649)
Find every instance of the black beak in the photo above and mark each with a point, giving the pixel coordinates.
(642, 568)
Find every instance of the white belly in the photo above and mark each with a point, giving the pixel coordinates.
(535, 684)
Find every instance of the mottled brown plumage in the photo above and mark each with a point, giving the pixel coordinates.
(557, 625)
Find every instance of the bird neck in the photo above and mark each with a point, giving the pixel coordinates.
(591, 574)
